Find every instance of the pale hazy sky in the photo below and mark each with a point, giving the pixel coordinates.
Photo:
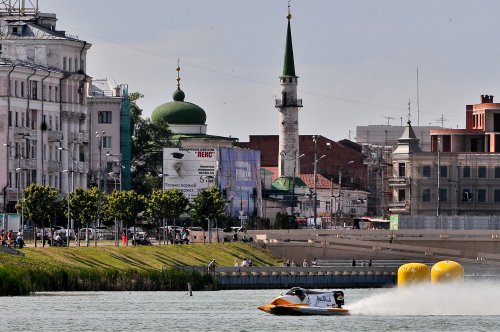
(356, 60)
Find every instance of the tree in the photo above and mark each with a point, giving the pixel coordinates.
(84, 206)
(148, 140)
(42, 205)
(208, 204)
(124, 206)
(166, 204)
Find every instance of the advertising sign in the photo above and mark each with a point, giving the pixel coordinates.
(240, 182)
(189, 170)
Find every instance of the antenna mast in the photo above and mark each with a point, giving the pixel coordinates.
(418, 103)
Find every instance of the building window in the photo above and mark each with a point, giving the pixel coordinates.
(444, 171)
(481, 195)
(34, 90)
(426, 171)
(467, 195)
(104, 117)
(402, 169)
(481, 172)
(497, 195)
(443, 194)
(497, 172)
(106, 142)
(328, 206)
(426, 195)
(22, 89)
(466, 172)
(10, 119)
(402, 195)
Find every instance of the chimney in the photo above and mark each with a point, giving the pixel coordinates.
(117, 91)
(483, 99)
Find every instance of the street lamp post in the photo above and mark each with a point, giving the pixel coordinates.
(99, 185)
(315, 179)
(165, 221)
(293, 183)
(69, 211)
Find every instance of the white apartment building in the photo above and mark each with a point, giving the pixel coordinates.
(43, 106)
(107, 160)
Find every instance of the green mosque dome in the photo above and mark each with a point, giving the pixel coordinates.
(179, 111)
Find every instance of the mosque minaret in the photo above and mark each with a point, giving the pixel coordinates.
(288, 107)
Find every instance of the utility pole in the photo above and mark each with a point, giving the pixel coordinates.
(438, 208)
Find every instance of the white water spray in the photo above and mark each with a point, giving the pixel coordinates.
(468, 298)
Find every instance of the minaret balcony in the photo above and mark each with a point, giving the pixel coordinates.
(285, 103)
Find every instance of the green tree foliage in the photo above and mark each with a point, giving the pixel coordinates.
(124, 206)
(84, 206)
(148, 140)
(169, 204)
(281, 221)
(207, 205)
(42, 205)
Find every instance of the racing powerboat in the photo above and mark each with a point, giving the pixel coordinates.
(300, 301)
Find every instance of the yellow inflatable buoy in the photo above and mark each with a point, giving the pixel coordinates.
(413, 274)
(447, 271)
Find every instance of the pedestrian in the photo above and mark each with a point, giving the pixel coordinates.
(353, 262)
(9, 237)
(211, 266)
(236, 263)
(124, 238)
(304, 263)
(250, 262)
(314, 263)
(370, 263)
(244, 263)
(292, 264)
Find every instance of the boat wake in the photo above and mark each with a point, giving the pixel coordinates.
(469, 298)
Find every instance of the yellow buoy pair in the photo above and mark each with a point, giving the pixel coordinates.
(418, 273)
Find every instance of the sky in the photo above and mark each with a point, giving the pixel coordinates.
(356, 60)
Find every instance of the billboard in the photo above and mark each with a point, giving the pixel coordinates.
(239, 179)
(189, 170)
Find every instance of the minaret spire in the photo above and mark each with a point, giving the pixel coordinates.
(178, 79)
(289, 65)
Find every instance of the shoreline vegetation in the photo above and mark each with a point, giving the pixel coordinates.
(108, 268)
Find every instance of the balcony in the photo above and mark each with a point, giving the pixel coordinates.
(11, 195)
(281, 103)
(398, 181)
(54, 136)
(81, 167)
(76, 137)
(20, 132)
(54, 166)
(27, 163)
(403, 206)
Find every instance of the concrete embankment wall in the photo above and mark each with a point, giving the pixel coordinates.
(286, 277)
(483, 246)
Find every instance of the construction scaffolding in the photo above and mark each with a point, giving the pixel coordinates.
(18, 7)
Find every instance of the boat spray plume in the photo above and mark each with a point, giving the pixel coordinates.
(468, 298)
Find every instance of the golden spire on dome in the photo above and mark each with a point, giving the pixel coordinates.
(289, 16)
(178, 79)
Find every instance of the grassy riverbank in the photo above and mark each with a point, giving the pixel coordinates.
(119, 268)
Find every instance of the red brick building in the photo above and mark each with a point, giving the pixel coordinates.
(344, 156)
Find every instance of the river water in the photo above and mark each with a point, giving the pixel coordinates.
(473, 306)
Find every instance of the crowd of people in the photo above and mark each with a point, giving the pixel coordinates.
(6, 238)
